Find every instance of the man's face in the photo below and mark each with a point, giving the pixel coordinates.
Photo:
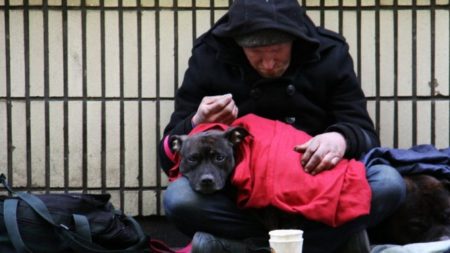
(270, 61)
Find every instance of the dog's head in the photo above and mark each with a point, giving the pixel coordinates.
(424, 216)
(207, 158)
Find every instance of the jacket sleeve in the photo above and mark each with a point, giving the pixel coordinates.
(187, 100)
(348, 106)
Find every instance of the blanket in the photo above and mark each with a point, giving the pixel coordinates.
(419, 159)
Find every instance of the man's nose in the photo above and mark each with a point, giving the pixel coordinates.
(268, 63)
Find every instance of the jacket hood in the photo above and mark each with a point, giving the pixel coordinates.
(248, 16)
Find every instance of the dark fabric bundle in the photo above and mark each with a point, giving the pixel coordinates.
(56, 223)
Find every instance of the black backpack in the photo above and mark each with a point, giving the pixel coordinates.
(66, 223)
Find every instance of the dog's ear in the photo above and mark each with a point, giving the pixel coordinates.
(236, 134)
(175, 142)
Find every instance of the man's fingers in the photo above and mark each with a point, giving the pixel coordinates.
(235, 112)
(227, 115)
(222, 110)
(329, 161)
(301, 148)
(214, 108)
(220, 99)
(218, 103)
(309, 152)
(230, 117)
(310, 165)
(211, 99)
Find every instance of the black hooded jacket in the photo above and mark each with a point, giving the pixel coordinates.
(318, 93)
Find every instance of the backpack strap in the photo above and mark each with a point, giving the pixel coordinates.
(79, 244)
(82, 226)
(10, 220)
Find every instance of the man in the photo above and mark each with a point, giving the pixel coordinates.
(268, 58)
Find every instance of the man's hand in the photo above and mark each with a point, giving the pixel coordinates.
(219, 109)
(322, 152)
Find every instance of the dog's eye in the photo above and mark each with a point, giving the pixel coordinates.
(219, 158)
(193, 159)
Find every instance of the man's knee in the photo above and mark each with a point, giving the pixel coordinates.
(388, 191)
(386, 180)
(179, 198)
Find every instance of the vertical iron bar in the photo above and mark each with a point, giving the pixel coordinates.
(140, 128)
(65, 102)
(84, 173)
(212, 12)
(396, 105)
(414, 72)
(10, 146)
(103, 103)
(158, 102)
(322, 13)
(26, 29)
(47, 98)
(84, 95)
(358, 39)
(377, 66)
(122, 110)
(66, 76)
(175, 36)
(194, 22)
(341, 17)
(433, 81)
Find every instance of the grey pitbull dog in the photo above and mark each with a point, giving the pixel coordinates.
(207, 158)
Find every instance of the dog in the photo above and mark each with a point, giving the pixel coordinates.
(207, 158)
(257, 161)
(423, 217)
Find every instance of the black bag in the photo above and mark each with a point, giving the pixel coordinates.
(65, 223)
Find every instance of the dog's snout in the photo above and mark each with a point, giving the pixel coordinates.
(207, 179)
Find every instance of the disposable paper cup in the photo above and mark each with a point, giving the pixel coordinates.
(286, 241)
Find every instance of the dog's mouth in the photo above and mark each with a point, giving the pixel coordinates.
(207, 188)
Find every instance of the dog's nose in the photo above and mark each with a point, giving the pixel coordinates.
(207, 180)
